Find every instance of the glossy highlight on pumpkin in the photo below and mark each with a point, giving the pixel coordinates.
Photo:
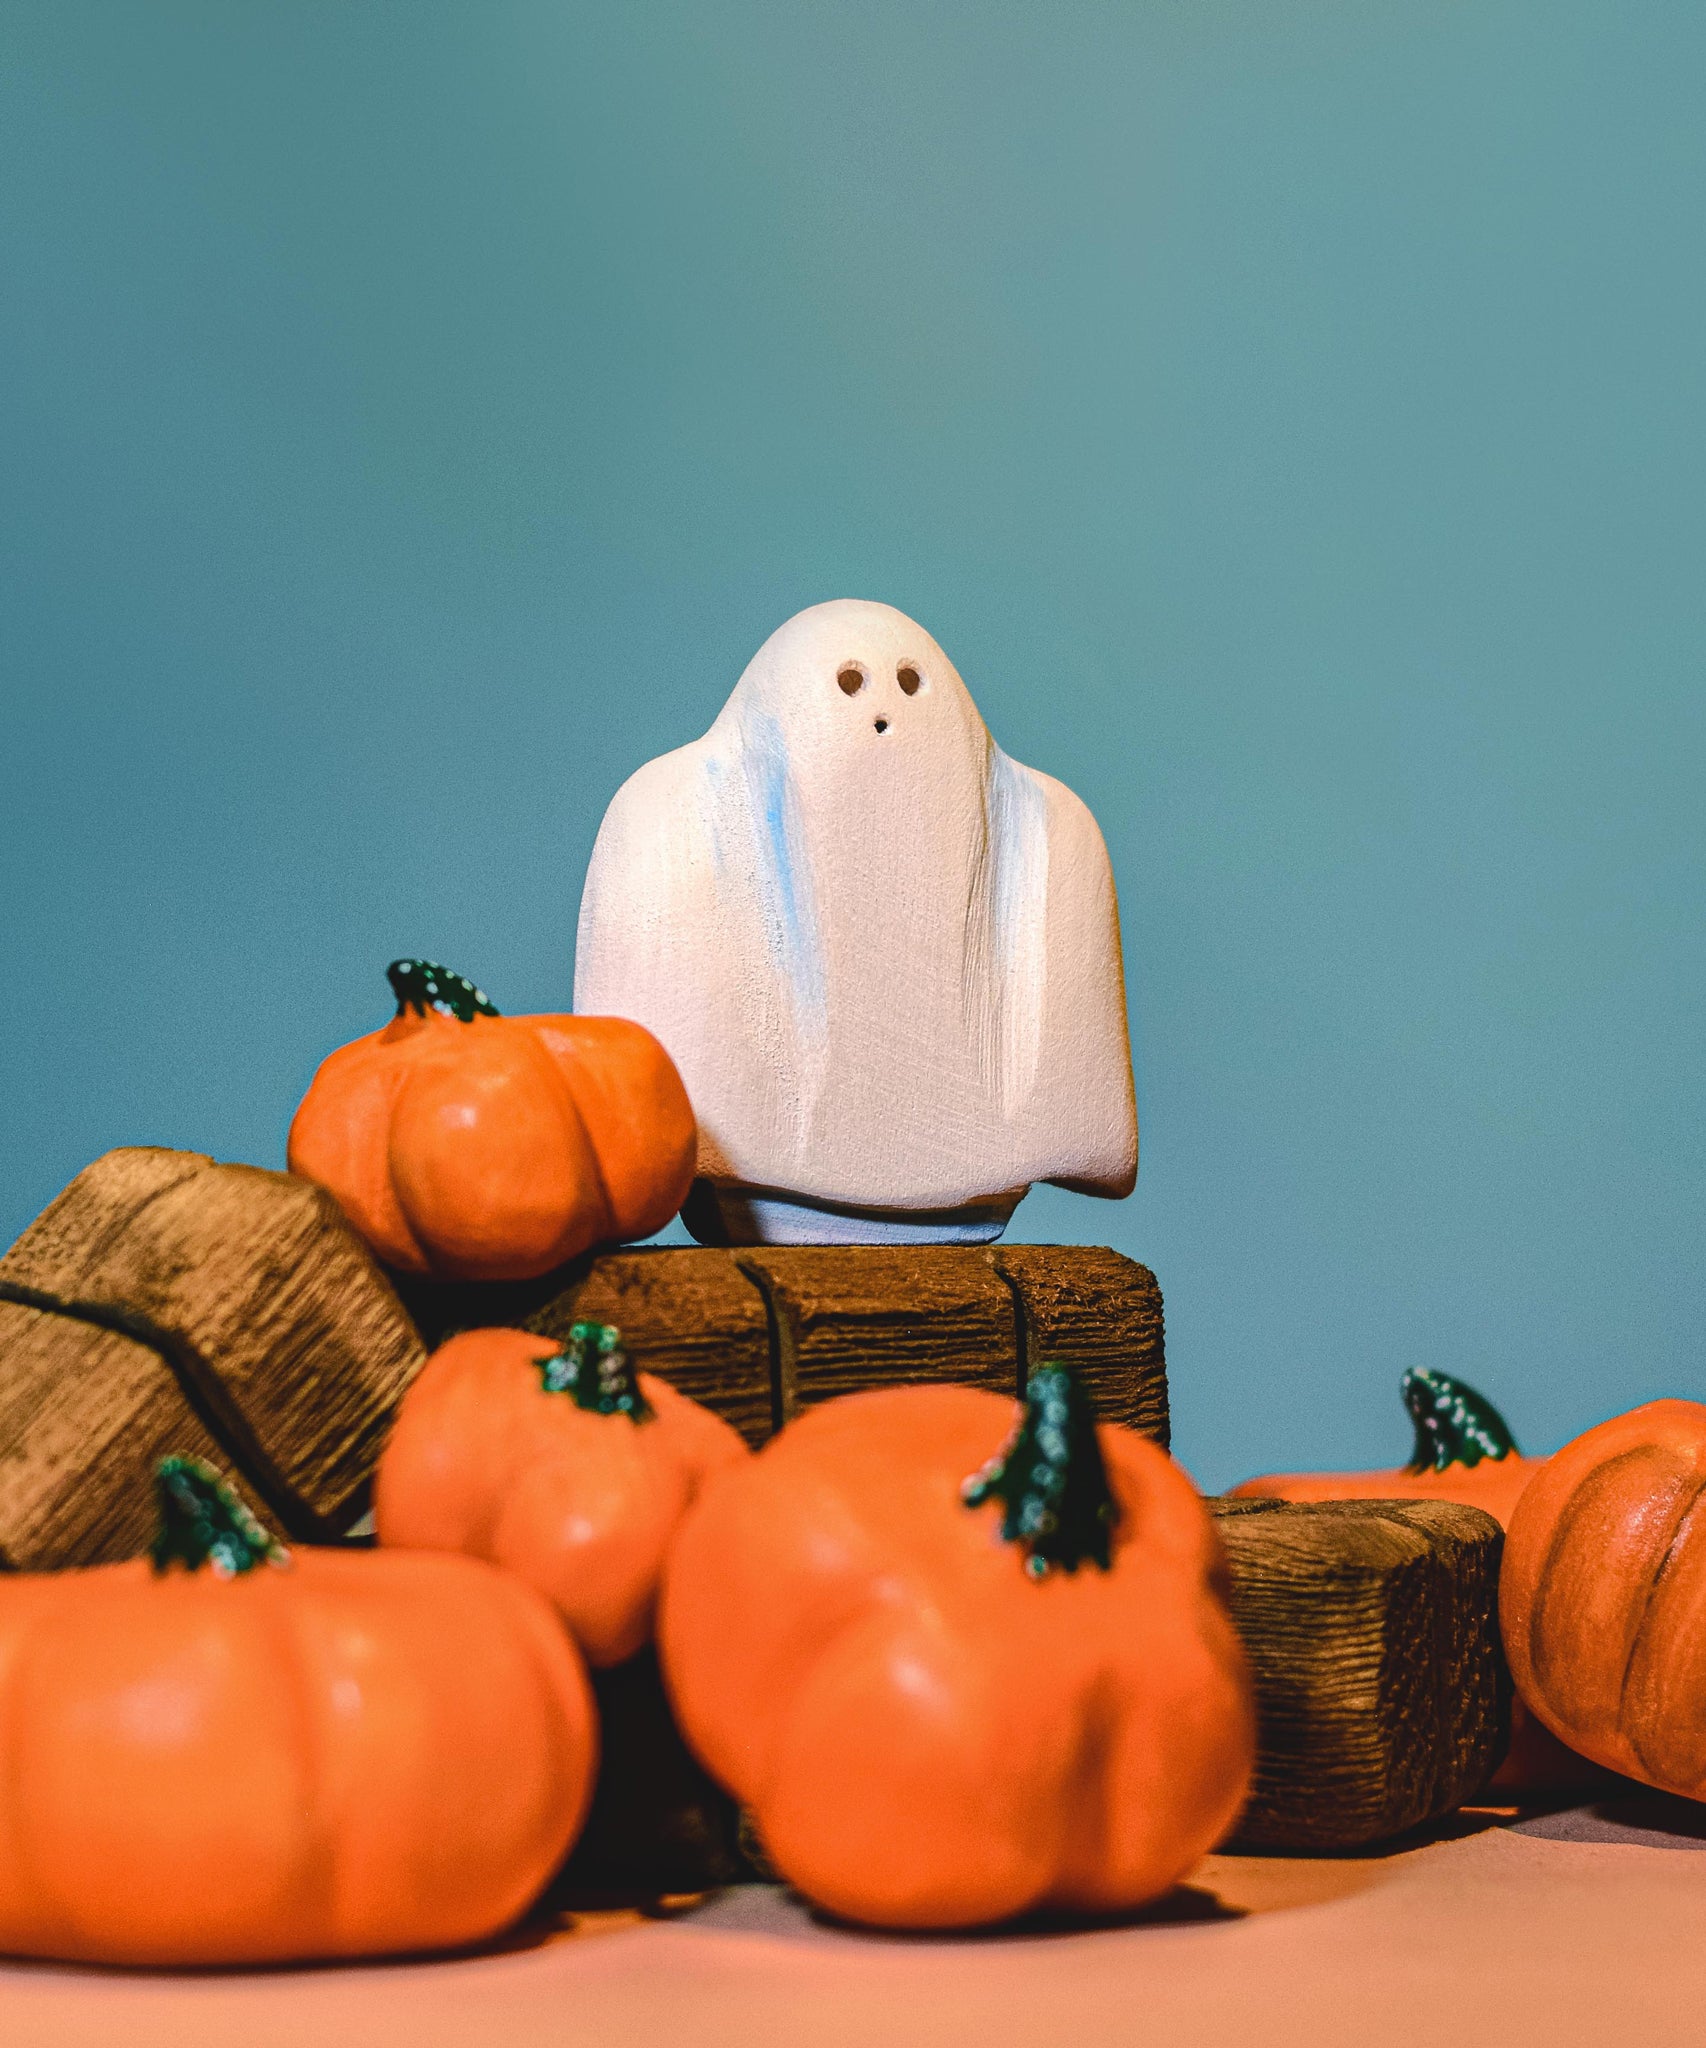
(1602, 1595)
(559, 1462)
(479, 1147)
(330, 1753)
(928, 1731)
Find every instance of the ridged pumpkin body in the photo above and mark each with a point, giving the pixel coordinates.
(495, 1148)
(583, 1506)
(1602, 1595)
(347, 1755)
(926, 1734)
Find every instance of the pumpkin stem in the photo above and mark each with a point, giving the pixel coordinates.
(422, 985)
(596, 1373)
(202, 1522)
(1454, 1424)
(1050, 1478)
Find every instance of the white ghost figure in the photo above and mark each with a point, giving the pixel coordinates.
(884, 956)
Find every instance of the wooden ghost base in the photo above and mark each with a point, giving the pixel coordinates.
(163, 1305)
(759, 1334)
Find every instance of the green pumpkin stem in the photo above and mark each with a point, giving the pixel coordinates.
(1454, 1424)
(202, 1522)
(422, 985)
(1050, 1479)
(596, 1373)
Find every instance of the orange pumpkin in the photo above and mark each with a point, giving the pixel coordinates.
(1463, 1452)
(264, 1757)
(559, 1462)
(952, 1690)
(480, 1147)
(1602, 1595)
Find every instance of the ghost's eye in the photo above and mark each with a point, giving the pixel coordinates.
(907, 677)
(852, 680)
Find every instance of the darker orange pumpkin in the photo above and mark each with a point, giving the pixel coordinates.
(480, 1147)
(953, 1683)
(261, 1758)
(1602, 1595)
(557, 1461)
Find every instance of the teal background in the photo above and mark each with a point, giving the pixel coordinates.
(1289, 417)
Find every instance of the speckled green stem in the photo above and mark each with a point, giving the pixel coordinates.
(1454, 1424)
(422, 985)
(203, 1523)
(596, 1373)
(1050, 1479)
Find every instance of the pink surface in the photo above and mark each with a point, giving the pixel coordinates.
(1498, 1937)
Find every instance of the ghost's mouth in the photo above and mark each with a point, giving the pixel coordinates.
(882, 725)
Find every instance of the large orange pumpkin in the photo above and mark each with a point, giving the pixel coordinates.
(260, 1757)
(952, 1686)
(480, 1147)
(1463, 1452)
(559, 1462)
(1602, 1595)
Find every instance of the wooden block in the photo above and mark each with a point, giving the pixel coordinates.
(759, 1333)
(688, 1314)
(1089, 1308)
(165, 1303)
(1382, 1699)
(846, 1317)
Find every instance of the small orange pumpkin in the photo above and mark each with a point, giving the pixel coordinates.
(1463, 1452)
(479, 1147)
(559, 1462)
(264, 1757)
(953, 1686)
(1602, 1595)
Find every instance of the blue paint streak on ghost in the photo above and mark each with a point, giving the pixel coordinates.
(784, 884)
(1018, 827)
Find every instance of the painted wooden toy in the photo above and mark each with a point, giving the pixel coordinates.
(481, 1147)
(961, 1664)
(235, 1754)
(562, 1463)
(1603, 1590)
(884, 956)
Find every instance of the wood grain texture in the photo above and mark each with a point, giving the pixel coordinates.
(759, 1333)
(691, 1316)
(1090, 1308)
(848, 1317)
(1382, 1699)
(884, 956)
(278, 1351)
